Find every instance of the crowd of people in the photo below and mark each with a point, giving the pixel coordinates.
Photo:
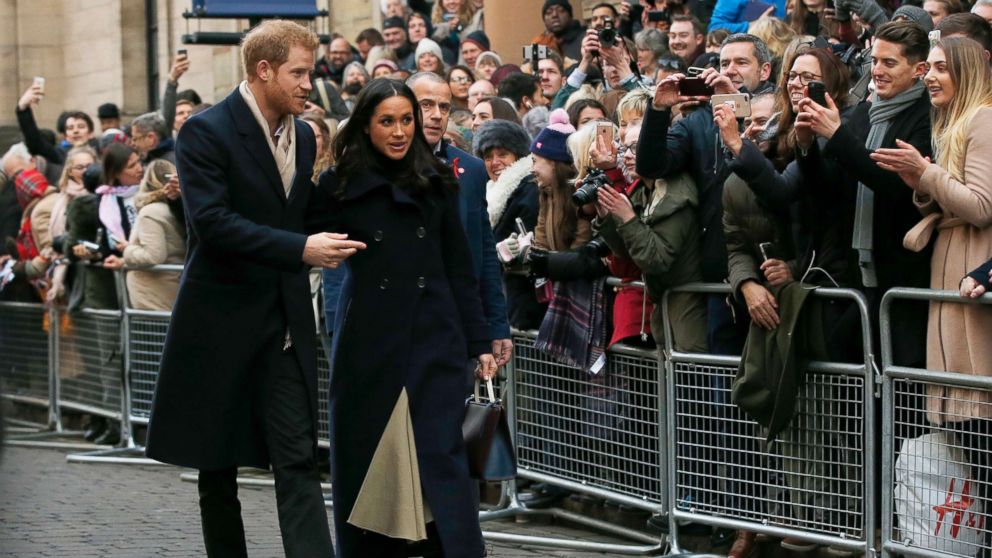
(854, 159)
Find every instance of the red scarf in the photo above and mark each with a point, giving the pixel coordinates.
(30, 186)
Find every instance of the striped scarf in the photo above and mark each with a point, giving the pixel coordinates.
(29, 186)
(574, 328)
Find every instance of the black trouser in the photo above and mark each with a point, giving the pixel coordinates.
(289, 436)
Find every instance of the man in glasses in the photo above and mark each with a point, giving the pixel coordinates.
(899, 110)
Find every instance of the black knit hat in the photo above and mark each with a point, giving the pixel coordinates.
(501, 133)
(395, 21)
(563, 3)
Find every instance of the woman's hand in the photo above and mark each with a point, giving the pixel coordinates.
(971, 288)
(823, 121)
(603, 153)
(776, 272)
(726, 120)
(171, 188)
(614, 203)
(113, 262)
(82, 253)
(903, 160)
(486, 368)
(761, 305)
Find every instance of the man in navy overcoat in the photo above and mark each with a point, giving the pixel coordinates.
(238, 381)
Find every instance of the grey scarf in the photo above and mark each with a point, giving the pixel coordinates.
(881, 114)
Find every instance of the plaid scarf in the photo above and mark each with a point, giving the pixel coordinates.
(574, 328)
(29, 186)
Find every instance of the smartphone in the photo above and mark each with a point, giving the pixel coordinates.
(658, 15)
(740, 103)
(521, 228)
(39, 82)
(606, 131)
(541, 51)
(695, 87)
(767, 250)
(817, 91)
(934, 37)
(90, 246)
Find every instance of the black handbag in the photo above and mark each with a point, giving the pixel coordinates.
(487, 438)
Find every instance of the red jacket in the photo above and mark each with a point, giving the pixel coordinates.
(631, 309)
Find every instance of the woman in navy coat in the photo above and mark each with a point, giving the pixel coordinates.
(409, 319)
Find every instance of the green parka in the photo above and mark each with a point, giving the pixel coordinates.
(664, 241)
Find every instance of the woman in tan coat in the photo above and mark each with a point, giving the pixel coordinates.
(956, 194)
(157, 238)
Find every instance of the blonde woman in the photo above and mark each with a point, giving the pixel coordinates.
(70, 186)
(777, 35)
(956, 192)
(158, 237)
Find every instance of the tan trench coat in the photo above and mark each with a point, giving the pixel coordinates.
(958, 334)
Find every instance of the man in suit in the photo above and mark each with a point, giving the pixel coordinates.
(238, 381)
(434, 95)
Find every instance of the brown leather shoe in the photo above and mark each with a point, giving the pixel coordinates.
(744, 545)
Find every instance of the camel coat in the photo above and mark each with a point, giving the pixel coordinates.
(957, 334)
(156, 239)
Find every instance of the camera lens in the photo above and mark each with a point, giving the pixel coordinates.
(607, 36)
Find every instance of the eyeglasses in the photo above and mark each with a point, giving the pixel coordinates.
(804, 77)
(427, 106)
(624, 149)
(460, 79)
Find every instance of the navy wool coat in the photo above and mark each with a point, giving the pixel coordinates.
(243, 284)
(409, 318)
(472, 180)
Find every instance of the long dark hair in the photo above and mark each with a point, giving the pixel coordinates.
(355, 153)
(115, 160)
(836, 78)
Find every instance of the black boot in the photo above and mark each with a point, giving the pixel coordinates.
(111, 436)
(95, 428)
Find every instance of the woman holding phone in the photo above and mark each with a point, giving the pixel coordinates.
(411, 318)
(955, 191)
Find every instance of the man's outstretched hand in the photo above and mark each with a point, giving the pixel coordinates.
(329, 249)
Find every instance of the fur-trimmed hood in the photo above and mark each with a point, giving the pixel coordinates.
(498, 192)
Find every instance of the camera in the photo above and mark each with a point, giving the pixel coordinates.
(589, 186)
(608, 34)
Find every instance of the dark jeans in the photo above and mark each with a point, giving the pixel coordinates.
(290, 439)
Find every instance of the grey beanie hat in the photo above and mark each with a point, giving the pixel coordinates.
(915, 14)
(501, 133)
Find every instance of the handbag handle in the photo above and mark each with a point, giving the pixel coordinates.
(489, 389)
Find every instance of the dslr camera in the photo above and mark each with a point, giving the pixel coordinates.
(608, 34)
(588, 187)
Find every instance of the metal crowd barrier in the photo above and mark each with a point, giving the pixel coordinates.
(143, 344)
(598, 435)
(25, 361)
(936, 457)
(815, 482)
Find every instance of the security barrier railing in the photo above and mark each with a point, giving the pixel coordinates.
(663, 438)
(25, 358)
(937, 447)
(815, 482)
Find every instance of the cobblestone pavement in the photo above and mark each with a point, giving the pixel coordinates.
(49, 507)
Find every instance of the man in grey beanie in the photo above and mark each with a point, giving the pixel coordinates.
(915, 14)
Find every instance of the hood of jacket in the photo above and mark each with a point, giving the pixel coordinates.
(679, 191)
(499, 192)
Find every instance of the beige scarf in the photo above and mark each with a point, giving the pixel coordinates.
(284, 151)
